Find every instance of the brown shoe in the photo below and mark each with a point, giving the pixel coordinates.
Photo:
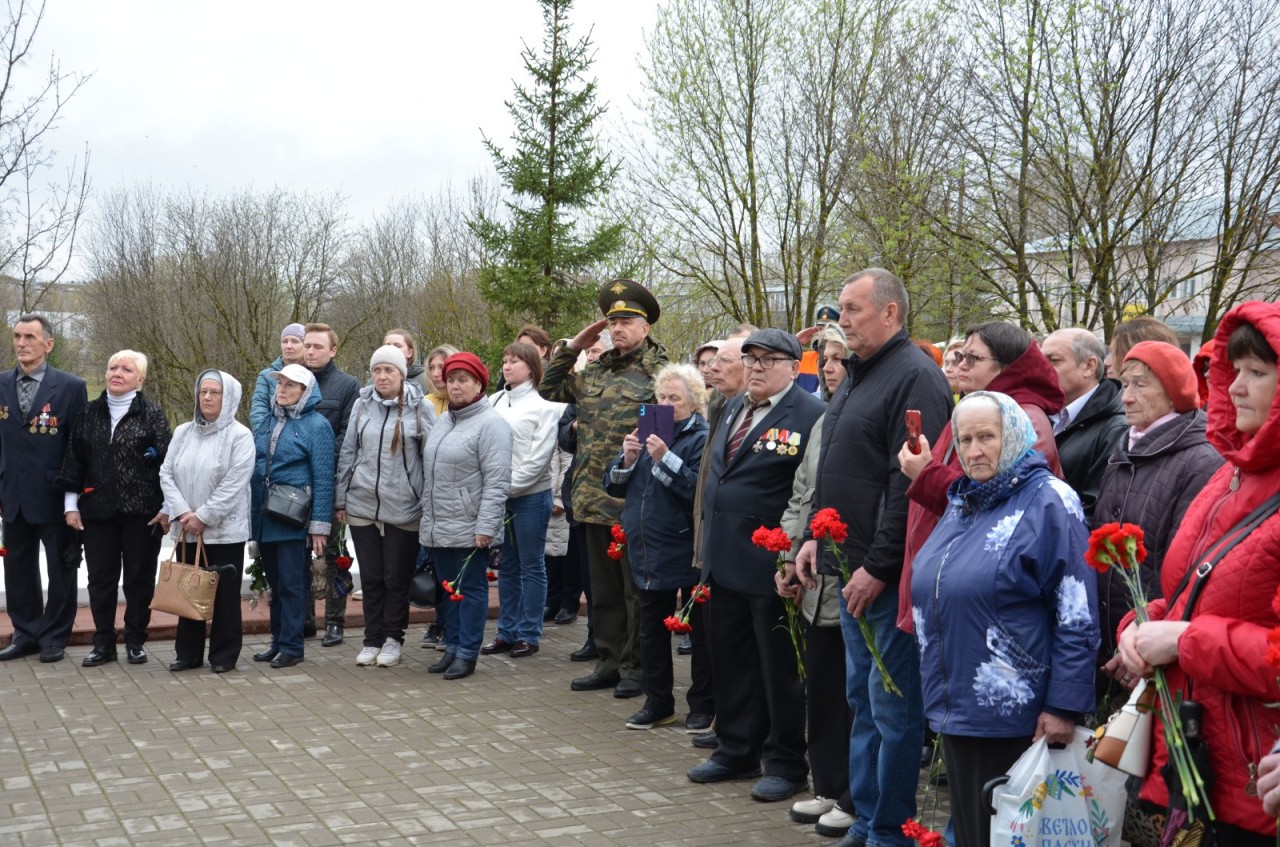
(497, 645)
(523, 648)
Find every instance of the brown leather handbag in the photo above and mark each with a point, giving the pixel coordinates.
(187, 591)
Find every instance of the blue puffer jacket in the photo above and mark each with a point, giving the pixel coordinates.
(1005, 609)
(303, 457)
(657, 512)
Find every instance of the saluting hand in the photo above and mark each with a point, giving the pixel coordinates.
(589, 335)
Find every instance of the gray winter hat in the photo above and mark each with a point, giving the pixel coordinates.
(388, 354)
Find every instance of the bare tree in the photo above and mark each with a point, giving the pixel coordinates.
(39, 211)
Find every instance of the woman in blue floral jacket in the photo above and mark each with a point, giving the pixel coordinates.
(1005, 609)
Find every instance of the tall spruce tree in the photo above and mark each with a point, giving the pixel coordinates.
(555, 173)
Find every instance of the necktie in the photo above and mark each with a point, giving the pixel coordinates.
(26, 393)
(740, 434)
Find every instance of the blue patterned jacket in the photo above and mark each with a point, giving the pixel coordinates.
(1005, 608)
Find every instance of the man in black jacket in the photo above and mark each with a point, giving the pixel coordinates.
(1090, 426)
(759, 698)
(858, 475)
(38, 402)
(338, 392)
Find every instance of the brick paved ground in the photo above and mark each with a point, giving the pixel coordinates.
(329, 753)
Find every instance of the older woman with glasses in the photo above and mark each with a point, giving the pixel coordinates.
(205, 478)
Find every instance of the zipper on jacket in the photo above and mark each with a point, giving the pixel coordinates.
(942, 654)
(377, 478)
(1250, 768)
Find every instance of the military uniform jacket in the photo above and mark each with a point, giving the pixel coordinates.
(753, 490)
(608, 394)
(31, 448)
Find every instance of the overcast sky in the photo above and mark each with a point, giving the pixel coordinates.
(371, 100)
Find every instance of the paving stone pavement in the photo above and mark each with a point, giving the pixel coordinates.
(330, 753)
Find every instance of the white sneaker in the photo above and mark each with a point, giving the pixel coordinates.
(809, 811)
(834, 823)
(390, 654)
(367, 656)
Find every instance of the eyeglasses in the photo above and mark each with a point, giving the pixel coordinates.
(765, 362)
(969, 359)
(210, 392)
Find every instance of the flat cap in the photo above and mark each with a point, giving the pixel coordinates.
(775, 340)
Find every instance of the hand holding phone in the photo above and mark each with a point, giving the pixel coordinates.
(914, 430)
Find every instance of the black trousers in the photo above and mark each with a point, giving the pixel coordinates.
(613, 606)
(971, 763)
(702, 694)
(655, 652)
(387, 562)
(226, 630)
(827, 710)
(564, 578)
(39, 621)
(760, 712)
(123, 545)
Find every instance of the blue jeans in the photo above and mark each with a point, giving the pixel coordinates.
(464, 619)
(288, 574)
(888, 730)
(522, 579)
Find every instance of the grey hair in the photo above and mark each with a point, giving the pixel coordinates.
(886, 288)
(687, 374)
(1085, 344)
(45, 326)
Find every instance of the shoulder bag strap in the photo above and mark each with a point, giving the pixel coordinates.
(1218, 551)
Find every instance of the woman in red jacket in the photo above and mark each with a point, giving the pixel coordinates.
(1215, 657)
(997, 356)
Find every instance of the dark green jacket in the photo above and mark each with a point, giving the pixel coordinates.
(608, 394)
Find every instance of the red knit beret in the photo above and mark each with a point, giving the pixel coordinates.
(1172, 367)
(470, 363)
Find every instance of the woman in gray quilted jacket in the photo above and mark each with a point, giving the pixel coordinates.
(379, 496)
(466, 479)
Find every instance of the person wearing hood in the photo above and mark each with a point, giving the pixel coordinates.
(111, 476)
(466, 480)
(379, 496)
(205, 478)
(403, 341)
(1004, 609)
(997, 356)
(1210, 630)
(265, 387)
(1152, 477)
(294, 448)
(522, 579)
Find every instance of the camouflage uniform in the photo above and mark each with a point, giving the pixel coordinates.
(607, 393)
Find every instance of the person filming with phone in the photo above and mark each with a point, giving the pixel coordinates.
(656, 478)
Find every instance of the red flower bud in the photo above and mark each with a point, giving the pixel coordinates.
(491, 575)
(342, 562)
(616, 533)
(614, 551)
(455, 597)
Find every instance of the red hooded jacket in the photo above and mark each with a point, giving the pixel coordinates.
(1220, 655)
(1033, 383)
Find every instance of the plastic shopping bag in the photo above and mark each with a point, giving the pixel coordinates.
(1057, 798)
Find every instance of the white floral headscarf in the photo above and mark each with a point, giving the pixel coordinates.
(1017, 435)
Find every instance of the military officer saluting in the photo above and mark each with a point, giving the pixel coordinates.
(608, 393)
(38, 402)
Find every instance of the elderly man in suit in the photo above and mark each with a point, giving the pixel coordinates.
(759, 698)
(38, 402)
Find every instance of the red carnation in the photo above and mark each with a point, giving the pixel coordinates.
(614, 550)
(447, 585)
(4, 551)
(827, 524)
(617, 534)
(1272, 658)
(491, 575)
(773, 540)
(455, 597)
(701, 593)
(342, 562)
